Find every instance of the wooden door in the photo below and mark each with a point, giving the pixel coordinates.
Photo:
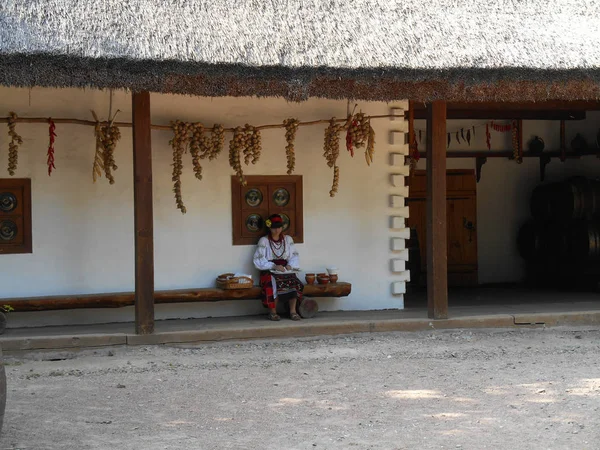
(461, 210)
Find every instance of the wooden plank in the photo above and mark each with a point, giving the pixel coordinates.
(143, 220)
(459, 183)
(411, 135)
(509, 154)
(437, 273)
(563, 105)
(544, 110)
(121, 299)
(470, 114)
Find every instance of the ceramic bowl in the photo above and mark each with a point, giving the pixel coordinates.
(333, 278)
(323, 280)
(310, 278)
(332, 270)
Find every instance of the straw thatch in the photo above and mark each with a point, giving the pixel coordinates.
(381, 50)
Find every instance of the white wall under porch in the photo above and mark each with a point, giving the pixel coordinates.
(83, 232)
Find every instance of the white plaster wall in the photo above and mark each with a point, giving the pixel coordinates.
(505, 188)
(83, 232)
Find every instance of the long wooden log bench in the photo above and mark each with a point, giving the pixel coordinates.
(118, 300)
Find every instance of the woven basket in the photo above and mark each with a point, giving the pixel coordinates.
(228, 281)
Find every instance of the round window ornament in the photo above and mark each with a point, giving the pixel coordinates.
(286, 221)
(254, 197)
(8, 230)
(281, 197)
(254, 223)
(8, 202)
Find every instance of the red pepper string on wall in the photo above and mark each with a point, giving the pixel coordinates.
(51, 147)
(416, 155)
(501, 128)
(413, 155)
(462, 135)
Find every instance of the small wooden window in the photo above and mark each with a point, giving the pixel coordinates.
(15, 215)
(262, 196)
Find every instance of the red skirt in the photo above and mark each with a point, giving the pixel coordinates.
(288, 282)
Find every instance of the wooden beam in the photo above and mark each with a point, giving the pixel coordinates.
(564, 105)
(509, 154)
(143, 219)
(121, 299)
(437, 258)
(506, 114)
(411, 137)
(548, 110)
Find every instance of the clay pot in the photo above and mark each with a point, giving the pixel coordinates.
(579, 144)
(323, 279)
(333, 278)
(310, 278)
(536, 145)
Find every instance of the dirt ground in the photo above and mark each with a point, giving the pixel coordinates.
(469, 389)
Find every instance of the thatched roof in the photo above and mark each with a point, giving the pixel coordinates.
(370, 49)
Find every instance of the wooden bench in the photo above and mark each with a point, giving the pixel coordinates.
(118, 300)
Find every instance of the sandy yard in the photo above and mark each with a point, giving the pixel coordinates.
(469, 389)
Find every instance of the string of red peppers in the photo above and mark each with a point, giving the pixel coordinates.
(51, 147)
(462, 136)
(413, 154)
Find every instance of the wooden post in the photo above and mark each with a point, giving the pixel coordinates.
(143, 220)
(437, 258)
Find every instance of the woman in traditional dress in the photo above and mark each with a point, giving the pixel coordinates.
(275, 253)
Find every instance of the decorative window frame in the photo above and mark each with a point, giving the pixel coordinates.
(267, 185)
(21, 215)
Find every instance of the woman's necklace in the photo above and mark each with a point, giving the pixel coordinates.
(277, 245)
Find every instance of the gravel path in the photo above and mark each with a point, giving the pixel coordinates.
(508, 389)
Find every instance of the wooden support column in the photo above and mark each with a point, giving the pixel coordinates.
(437, 257)
(143, 220)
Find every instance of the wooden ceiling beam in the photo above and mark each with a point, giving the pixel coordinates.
(506, 114)
(547, 110)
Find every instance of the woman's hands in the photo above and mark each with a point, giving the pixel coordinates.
(279, 268)
(288, 267)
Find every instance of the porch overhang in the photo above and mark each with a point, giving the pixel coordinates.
(366, 49)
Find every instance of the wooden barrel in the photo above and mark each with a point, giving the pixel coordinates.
(543, 241)
(574, 199)
(2, 390)
(530, 241)
(578, 198)
(543, 201)
(584, 243)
